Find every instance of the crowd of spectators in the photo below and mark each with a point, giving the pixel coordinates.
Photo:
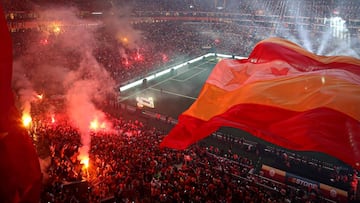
(244, 24)
(339, 175)
(309, 8)
(127, 165)
(163, 44)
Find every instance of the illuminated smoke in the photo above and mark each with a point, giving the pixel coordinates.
(124, 56)
(25, 93)
(86, 87)
(118, 22)
(64, 67)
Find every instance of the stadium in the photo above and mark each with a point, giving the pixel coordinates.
(99, 85)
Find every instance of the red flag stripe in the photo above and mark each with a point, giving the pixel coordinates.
(298, 93)
(300, 58)
(320, 129)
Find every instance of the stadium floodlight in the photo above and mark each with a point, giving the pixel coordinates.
(338, 27)
(130, 85)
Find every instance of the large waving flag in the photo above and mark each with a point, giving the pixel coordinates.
(282, 94)
(20, 173)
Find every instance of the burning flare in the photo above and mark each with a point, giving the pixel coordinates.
(85, 161)
(94, 125)
(55, 27)
(40, 96)
(52, 118)
(26, 119)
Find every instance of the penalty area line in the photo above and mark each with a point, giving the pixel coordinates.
(173, 93)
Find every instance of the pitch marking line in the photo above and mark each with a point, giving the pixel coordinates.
(170, 78)
(194, 75)
(184, 80)
(173, 93)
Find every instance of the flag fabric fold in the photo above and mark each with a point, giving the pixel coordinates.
(20, 174)
(282, 94)
(5, 73)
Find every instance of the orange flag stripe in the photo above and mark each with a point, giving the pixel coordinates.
(303, 52)
(233, 74)
(299, 93)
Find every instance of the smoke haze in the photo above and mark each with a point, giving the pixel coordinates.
(59, 60)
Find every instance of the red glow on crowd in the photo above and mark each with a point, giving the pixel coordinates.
(126, 62)
(44, 42)
(138, 57)
(164, 58)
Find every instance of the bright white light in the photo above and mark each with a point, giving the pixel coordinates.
(324, 42)
(162, 72)
(224, 55)
(150, 77)
(338, 27)
(145, 101)
(209, 54)
(179, 66)
(195, 59)
(323, 79)
(128, 86)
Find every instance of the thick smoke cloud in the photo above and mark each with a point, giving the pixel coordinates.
(23, 87)
(59, 61)
(118, 21)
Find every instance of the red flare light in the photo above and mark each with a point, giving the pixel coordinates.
(40, 96)
(26, 119)
(44, 42)
(52, 118)
(94, 125)
(85, 161)
(126, 62)
(164, 58)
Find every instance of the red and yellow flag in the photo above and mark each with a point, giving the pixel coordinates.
(282, 94)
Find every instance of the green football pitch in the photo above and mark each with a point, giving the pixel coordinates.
(173, 92)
